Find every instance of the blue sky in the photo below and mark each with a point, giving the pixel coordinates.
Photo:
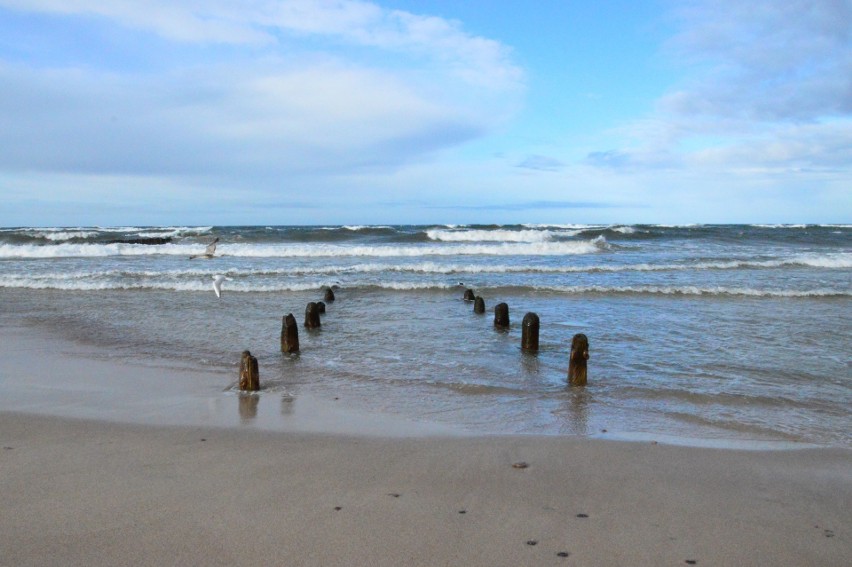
(344, 111)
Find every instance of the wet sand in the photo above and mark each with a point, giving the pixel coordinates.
(89, 491)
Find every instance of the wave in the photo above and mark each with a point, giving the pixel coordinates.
(243, 283)
(92, 235)
(191, 285)
(688, 290)
(68, 250)
(495, 235)
(800, 226)
(531, 233)
(831, 261)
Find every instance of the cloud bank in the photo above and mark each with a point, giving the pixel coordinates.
(303, 86)
(767, 87)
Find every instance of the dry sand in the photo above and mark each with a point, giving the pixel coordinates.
(97, 492)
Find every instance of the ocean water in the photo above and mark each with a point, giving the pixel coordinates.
(705, 333)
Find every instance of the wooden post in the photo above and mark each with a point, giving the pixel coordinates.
(321, 307)
(468, 295)
(312, 317)
(577, 362)
(329, 295)
(479, 305)
(501, 315)
(249, 375)
(529, 332)
(289, 334)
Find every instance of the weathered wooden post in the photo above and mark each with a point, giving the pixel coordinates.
(501, 315)
(479, 305)
(312, 316)
(321, 307)
(469, 295)
(249, 375)
(329, 295)
(289, 334)
(529, 332)
(577, 362)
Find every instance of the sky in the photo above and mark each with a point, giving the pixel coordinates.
(232, 112)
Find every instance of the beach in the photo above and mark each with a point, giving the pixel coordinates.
(118, 474)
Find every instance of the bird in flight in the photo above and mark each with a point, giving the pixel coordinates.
(217, 284)
(208, 252)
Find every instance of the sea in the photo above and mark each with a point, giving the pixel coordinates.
(701, 333)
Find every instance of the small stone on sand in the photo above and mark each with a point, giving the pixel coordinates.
(532, 542)
(338, 508)
(562, 554)
(582, 515)
(521, 465)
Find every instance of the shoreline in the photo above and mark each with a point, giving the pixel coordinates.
(53, 376)
(181, 472)
(41, 374)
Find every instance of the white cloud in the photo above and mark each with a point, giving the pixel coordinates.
(765, 60)
(475, 59)
(278, 104)
(222, 119)
(768, 87)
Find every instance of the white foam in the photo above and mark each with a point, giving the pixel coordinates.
(175, 231)
(490, 235)
(84, 282)
(780, 225)
(698, 291)
(68, 250)
(577, 227)
(624, 229)
(57, 236)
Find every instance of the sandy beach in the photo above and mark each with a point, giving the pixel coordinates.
(116, 488)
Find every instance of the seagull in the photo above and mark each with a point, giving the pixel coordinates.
(217, 284)
(209, 251)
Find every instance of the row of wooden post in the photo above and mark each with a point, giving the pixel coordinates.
(577, 375)
(250, 379)
(249, 375)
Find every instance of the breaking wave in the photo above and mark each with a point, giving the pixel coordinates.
(68, 250)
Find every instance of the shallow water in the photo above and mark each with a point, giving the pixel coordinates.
(702, 332)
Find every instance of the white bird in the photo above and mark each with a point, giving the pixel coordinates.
(217, 284)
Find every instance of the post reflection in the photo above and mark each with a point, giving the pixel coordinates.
(575, 411)
(248, 406)
(288, 403)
